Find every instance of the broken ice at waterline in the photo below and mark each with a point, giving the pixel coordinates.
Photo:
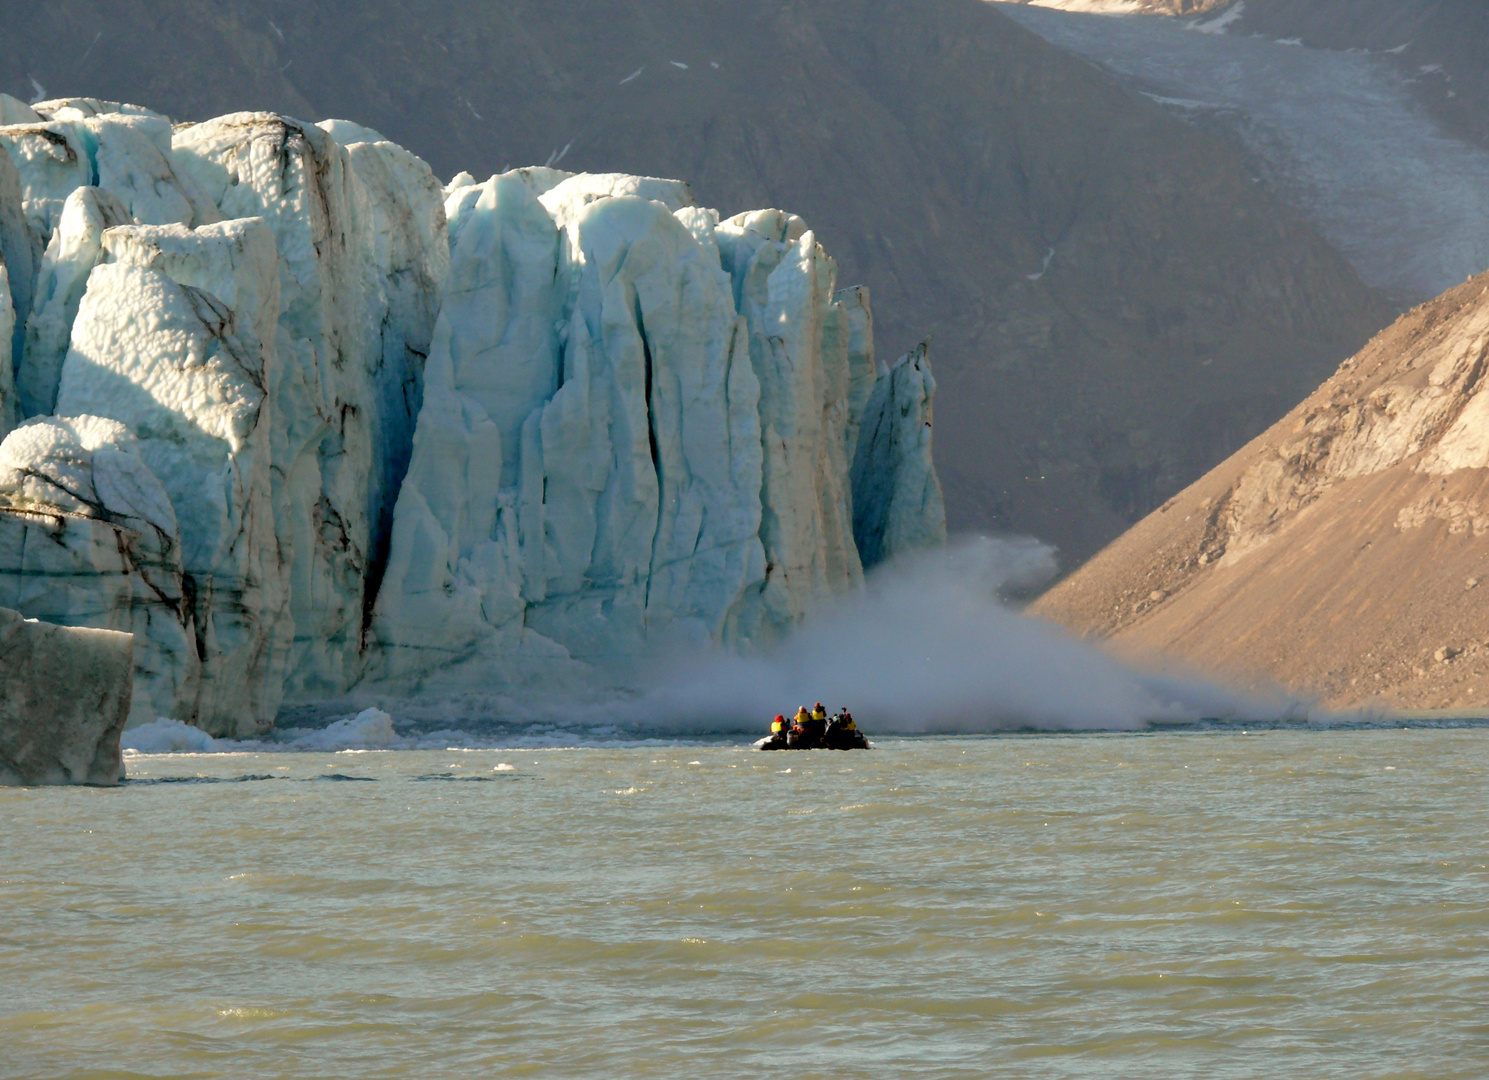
(926, 647)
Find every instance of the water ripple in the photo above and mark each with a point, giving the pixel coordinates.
(1165, 905)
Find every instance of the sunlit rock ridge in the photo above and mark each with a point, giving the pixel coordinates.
(306, 421)
(1342, 553)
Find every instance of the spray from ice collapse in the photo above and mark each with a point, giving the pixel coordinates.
(930, 646)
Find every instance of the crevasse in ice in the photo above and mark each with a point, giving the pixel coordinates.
(305, 421)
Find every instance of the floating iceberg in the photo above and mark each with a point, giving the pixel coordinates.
(308, 423)
(64, 699)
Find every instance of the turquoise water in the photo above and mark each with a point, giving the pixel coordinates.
(1291, 904)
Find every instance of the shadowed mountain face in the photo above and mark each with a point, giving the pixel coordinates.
(1115, 303)
(1345, 552)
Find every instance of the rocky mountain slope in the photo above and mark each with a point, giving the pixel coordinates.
(1115, 304)
(304, 421)
(1345, 552)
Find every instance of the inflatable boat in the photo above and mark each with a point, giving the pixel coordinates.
(834, 738)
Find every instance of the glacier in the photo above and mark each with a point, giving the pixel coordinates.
(310, 423)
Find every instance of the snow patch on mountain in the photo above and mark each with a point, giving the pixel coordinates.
(1134, 7)
(1218, 24)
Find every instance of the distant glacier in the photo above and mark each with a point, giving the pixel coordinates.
(1339, 133)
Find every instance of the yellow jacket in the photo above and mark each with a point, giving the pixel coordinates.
(803, 717)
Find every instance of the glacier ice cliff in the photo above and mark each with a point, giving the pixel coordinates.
(307, 422)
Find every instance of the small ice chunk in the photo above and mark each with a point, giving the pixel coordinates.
(370, 729)
(164, 736)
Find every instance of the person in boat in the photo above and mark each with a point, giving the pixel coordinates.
(800, 736)
(843, 733)
(817, 726)
(778, 738)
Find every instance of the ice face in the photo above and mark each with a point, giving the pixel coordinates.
(362, 262)
(52, 164)
(175, 338)
(90, 466)
(586, 470)
(499, 434)
(17, 264)
(88, 537)
(897, 504)
(127, 154)
(8, 401)
(799, 347)
(74, 249)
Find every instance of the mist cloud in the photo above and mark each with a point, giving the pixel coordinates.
(930, 646)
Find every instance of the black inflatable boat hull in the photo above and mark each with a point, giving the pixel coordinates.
(833, 740)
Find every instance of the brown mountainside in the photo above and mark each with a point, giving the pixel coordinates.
(1345, 552)
(1116, 305)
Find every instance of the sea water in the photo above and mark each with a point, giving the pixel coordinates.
(1276, 905)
